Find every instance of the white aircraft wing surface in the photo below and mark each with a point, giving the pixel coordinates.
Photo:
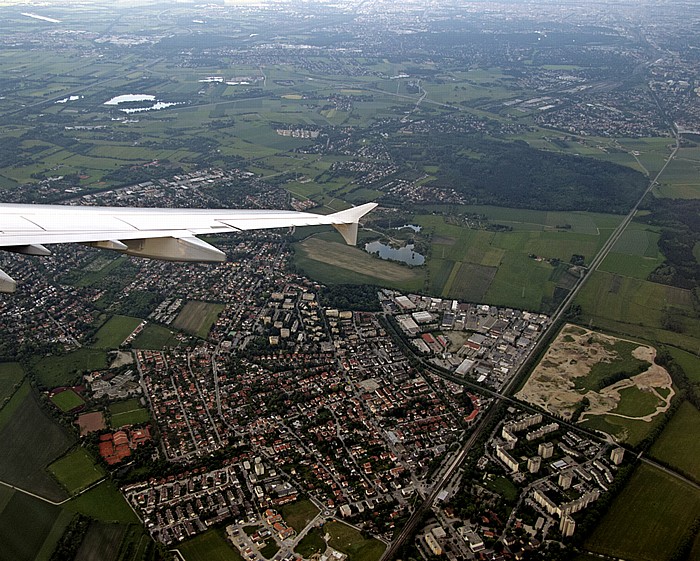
(159, 233)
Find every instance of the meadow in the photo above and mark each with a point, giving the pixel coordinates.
(349, 541)
(113, 333)
(65, 370)
(11, 374)
(299, 514)
(212, 545)
(154, 337)
(128, 412)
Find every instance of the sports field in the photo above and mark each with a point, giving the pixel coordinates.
(67, 400)
(198, 317)
(76, 470)
(648, 518)
(128, 412)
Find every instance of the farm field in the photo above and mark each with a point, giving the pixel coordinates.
(678, 444)
(76, 471)
(197, 318)
(101, 543)
(11, 374)
(648, 519)
(349, 541)
(689, 362)
(127, 413)
(64, 370)
(636, 307)
(113, 333)
(30, 441)
(209, 546)
(28, 526)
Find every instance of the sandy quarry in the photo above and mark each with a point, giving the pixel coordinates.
(571, 355)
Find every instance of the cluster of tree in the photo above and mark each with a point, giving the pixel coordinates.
(67, 547)
(513, 174)
(680, 223)
(362, 297)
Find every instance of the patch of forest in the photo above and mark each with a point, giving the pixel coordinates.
(513, 174)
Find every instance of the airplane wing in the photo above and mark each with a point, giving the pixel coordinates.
(159, 233)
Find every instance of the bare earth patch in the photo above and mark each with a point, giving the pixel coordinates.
(573, 353)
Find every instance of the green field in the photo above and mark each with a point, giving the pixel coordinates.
(105, 503)
(629, 431)
(154, 337)
(198, 317)
(690, 363)
(678, 444)
(26, 524)
(349, 541)
(311, 543)
(67, 400)
(623, 363)
(76, 471)
(65, 370)
(128, 412)
(113, 333)
(29, 441)
(11, 375)
(102, 542)
(299, 514)
(209, 546)
(636, 307)
(647, 519)
(635, 402)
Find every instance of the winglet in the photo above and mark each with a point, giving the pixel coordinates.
(346, 221)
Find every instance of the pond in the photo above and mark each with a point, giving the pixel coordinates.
(406, 254)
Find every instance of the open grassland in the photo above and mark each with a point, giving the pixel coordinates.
(127, 412)
(76, 471)
(648, 518)
(64, 370)
(8, 409)
(689, 362)
(679, 444)
(29, 441)
(67, 400)
(349, 541)
(198, 317)
(11, 374)
(212, 545)
(154, 337)
(299, 514)
(105, 503)
(113, 333)
(101, 543)
(335, 263)
(629, 431)
(26, 523)
(637, 307)
(311, 543)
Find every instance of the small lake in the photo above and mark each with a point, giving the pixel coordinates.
(413, 227)
(404, 254)
(130, 97)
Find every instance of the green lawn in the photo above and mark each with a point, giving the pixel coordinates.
(209, 546)
(113, 333)
(679, 444)
(648, 519)
(635, 402)
(349, 541)
(67, 400)
(311, 543)
(76, 470)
